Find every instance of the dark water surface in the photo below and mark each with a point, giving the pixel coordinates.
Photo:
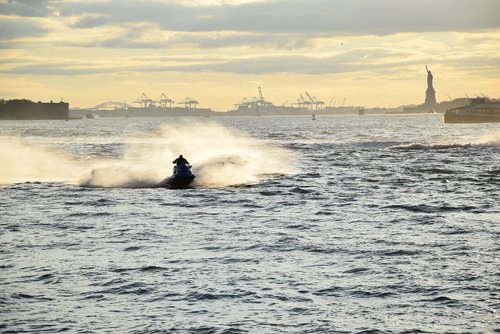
(388, 225)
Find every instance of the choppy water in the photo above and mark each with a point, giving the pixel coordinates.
(371, 224)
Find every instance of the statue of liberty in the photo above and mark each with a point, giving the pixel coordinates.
(429, 78)
(430, 93)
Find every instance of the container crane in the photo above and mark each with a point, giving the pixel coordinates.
(189, 103)
(317, 104)
(300, 102)
(244, 103)
(261, 101)
(144, 101)
(163, 100)
(303, 103)
(309, 97)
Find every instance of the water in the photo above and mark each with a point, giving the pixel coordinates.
(374, 224)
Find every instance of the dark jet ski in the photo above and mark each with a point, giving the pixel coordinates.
(181, 178)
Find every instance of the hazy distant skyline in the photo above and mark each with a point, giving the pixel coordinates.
(370, 52)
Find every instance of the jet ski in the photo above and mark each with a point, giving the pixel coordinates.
(181, 178)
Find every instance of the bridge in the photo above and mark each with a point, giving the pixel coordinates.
(111, 105)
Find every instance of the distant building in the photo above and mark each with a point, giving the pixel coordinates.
(26, 110)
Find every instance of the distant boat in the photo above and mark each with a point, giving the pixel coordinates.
(91, 115)
(479, 110)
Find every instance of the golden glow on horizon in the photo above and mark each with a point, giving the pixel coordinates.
(86, 65)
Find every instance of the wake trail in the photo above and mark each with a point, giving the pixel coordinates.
(220, 157)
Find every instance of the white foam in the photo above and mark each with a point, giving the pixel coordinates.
(219, 156)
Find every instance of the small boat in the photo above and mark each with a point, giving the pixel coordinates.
(479, 110)
(181, 178)
(91, 115)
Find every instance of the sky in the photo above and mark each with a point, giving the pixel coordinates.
(351, 52)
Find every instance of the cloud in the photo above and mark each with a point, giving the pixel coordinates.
(57, 69)
(272, 24)
(233, 39)
(150, 37)
(301, 64)
(12, 28)
(375, 60)
(253, 65)
(352, 61)
(94, 14)
(295, 16)
(29, 8)
(90, 20)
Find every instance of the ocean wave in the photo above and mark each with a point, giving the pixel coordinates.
(426, 208)
(424, 146)
(363, 238)
(135, 288)
(485, 141)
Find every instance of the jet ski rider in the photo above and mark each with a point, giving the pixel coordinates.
(182, 166)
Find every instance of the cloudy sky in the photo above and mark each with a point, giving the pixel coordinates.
(368, 52)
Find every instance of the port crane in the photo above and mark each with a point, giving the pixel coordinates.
(189, 103)
(262, 101)
(302, 103)
(163, 100)
(317, 104)
(255, 103)
(144, 101)
(244, 102)
(310, 103)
